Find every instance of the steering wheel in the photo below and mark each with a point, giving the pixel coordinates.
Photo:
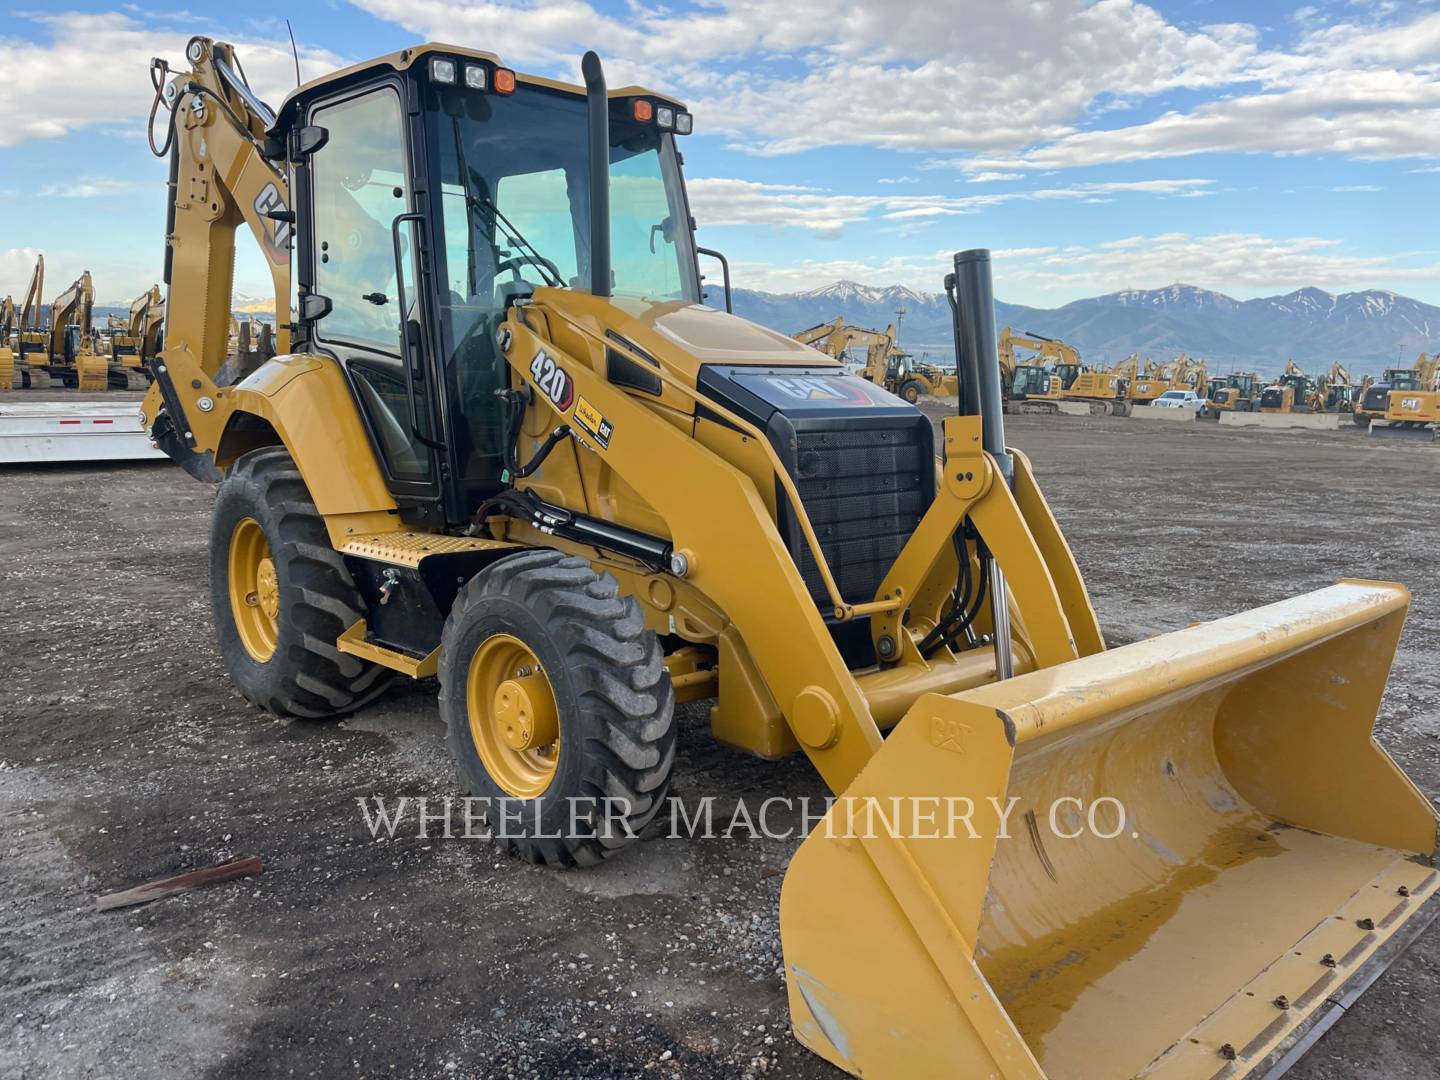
(515, 262)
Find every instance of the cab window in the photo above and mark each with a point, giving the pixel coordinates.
(360, 186)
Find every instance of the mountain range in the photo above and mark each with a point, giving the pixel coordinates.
(1367, 330)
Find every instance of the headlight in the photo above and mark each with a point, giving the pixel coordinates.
(476, 78)
(442, 71)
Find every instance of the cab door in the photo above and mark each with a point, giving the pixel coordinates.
(362, 262)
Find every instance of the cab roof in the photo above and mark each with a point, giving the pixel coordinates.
(405, 59)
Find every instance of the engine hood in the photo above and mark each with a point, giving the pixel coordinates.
(716, 337)
(683, 337)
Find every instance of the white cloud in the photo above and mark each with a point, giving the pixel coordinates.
(919, 271)
(992, 177)
(1229, 262)
(971, 74)
(1358, 187)
(101, 62)
(1365, 91)
(1015, 85)
(90, 187)
(1241, 264)
(730, 201)
(898, 180)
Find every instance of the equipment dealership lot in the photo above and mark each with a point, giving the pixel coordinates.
(127, 756)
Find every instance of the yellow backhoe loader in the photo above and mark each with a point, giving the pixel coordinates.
(135, 340)
(32, 343)
(885, 363)
(1333, 391)
(1292, 392)
(504, 443)
(1238, 391)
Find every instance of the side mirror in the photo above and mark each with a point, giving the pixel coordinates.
(725, 272)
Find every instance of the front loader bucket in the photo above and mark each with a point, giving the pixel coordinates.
(1184, 856)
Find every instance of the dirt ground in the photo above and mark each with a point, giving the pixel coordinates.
(125, 756)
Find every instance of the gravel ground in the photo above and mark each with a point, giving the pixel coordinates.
(124, 756)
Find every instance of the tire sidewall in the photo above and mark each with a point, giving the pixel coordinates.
(504, 615)
(239, 498)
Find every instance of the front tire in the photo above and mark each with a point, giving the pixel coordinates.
(281, 595)
(912, 391)
(558, 707)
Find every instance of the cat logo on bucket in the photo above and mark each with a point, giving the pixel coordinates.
(948, 734)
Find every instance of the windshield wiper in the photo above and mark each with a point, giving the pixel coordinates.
(474, 200)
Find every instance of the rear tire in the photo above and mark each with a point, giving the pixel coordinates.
(601, 677)
(912, 391)
(287, 664)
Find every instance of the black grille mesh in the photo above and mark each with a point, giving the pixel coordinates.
(864, 490)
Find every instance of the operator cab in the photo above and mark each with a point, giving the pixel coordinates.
(1031, 380)
(442, 187)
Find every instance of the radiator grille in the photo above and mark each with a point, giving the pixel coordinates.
(864, 490)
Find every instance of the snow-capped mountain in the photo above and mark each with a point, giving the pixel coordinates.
(1367, 330)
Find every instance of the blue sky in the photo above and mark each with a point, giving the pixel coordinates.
(1251, 148)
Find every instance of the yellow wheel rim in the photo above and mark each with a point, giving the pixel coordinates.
(514, 722)
(254, 590)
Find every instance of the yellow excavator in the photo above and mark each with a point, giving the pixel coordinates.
(1054, 372)
(32, 343)
(135, 340)
(1182, 373)
(505, 443)
(1373, 402)
(9, 321)
(885, 363)
(68, 353)
(1415, 411)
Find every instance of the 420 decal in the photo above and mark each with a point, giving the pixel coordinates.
(552, 380)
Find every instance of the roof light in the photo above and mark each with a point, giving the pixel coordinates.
(684, 123)
(664, 116)
(476, 77)
(642, 110)
(442, 71)
(504, 81)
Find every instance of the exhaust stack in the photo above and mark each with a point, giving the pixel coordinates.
(977, 360)
(598, 104)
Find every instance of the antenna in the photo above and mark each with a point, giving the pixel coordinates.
(294, 52)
